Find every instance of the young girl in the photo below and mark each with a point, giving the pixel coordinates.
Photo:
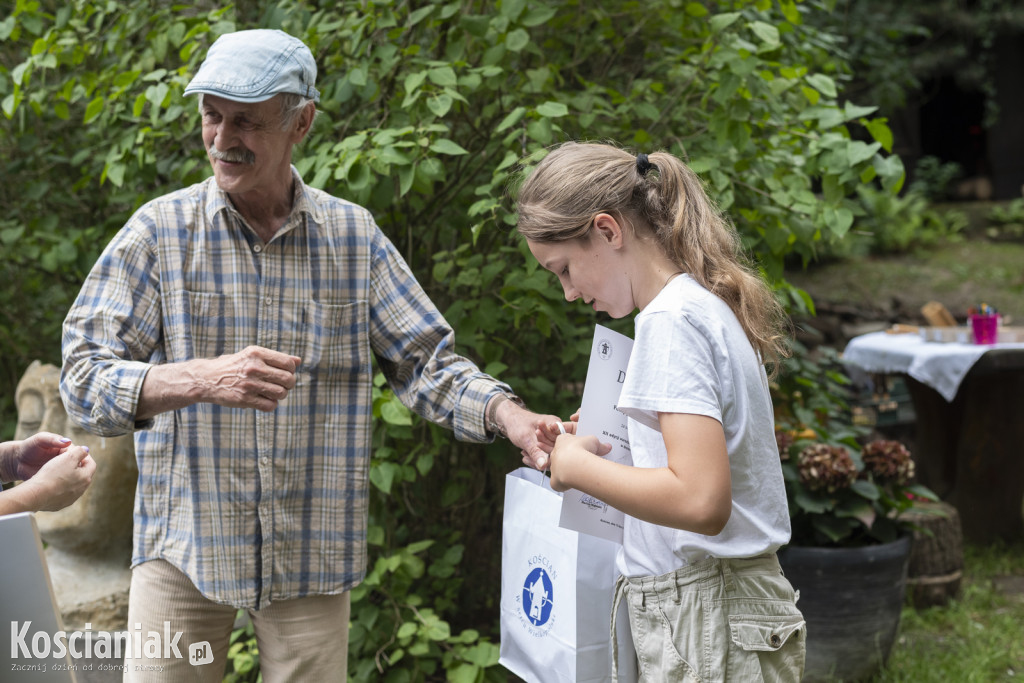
(705, 503)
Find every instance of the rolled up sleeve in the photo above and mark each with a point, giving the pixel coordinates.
(415, 347)
(110, 334)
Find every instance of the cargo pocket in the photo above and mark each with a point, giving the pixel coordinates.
(767, 647)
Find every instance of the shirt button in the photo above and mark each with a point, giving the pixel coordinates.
(257, 248)
(775, 640)
(268, 301)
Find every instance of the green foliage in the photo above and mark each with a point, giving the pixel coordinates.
(91, 127)
(864, 513)
(932, 177)
(811, 401)
(889, 51)
(811, 397)
(1006, 221)
(900, 223)
(428, 110)
(1007, 214)
(887, 224)
(244, 655)
(396, 636)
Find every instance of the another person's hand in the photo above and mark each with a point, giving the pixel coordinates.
(54, 473)
(35, 451)
(571, 454)
(61, 480)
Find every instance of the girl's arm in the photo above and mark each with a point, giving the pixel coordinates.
(693, 493)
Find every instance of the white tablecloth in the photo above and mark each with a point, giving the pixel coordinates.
(940, 365)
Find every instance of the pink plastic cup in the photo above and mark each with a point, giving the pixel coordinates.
(984, 327)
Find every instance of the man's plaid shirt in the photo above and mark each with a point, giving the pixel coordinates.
(255, 506)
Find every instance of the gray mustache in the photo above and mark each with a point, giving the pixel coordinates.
(237, 155)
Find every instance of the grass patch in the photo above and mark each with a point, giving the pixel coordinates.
(976, 638)
(959, 274)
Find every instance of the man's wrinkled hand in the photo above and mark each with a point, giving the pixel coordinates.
(526, 430)
(255, 377)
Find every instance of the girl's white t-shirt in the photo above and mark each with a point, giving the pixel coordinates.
(690, 355)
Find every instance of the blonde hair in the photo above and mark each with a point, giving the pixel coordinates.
(560, 198)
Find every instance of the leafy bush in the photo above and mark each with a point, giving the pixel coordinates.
(1006, 221)
(811, 397)
(243, 653)
(1010, 213)
(428, 109)
(886, 223)
(895, 51)
(932, 177)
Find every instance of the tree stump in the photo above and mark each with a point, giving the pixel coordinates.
(936, 556)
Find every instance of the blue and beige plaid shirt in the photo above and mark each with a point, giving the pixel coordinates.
(254, 506)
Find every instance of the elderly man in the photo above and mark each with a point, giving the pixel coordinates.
(232, 325)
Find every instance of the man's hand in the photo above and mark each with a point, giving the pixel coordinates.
(549, 431)
(255, 377)
(526, 429)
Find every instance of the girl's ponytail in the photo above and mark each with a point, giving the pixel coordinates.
(698, 238)
(660, 194)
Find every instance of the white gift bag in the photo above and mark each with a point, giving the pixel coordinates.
(557, 587)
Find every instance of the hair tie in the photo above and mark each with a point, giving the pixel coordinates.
(643, 165)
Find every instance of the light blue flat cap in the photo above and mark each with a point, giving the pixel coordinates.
(253, 66)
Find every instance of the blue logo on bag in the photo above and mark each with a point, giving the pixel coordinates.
(538, 596)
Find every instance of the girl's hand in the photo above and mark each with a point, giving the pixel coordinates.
(571, 455)
(547, 432)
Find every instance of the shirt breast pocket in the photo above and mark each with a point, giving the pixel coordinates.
(205, 324)
(335, 341)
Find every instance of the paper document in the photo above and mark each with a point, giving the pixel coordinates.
(600, 417)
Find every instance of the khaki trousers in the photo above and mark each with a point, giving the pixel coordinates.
(716, 621)
(305, 639)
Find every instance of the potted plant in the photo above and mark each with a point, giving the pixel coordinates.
(851, 542)
(843, 497)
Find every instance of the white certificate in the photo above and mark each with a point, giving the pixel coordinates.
(600, 417)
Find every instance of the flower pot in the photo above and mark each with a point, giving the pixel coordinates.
(851, 599)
